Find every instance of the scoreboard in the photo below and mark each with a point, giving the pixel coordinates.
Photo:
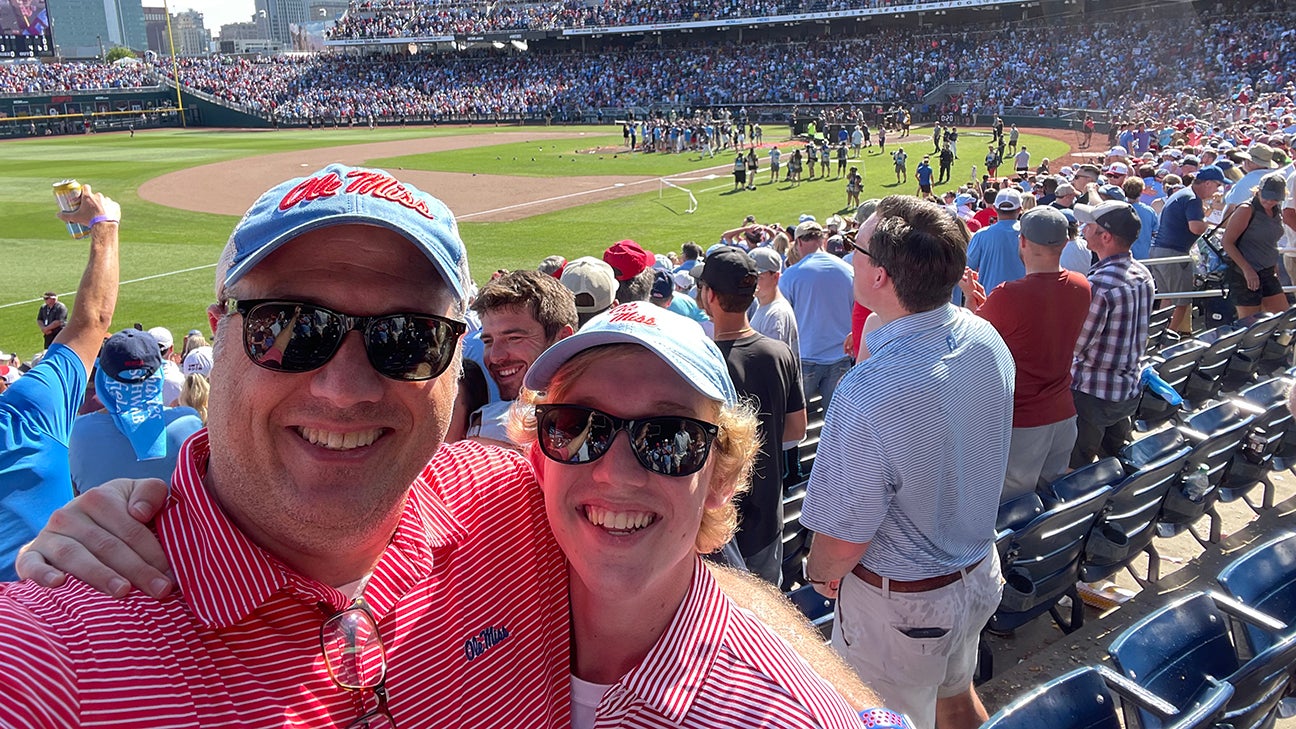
(24, 29)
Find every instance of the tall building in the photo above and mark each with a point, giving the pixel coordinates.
(191, 36)
(155, 30)
(275, 16)
(327, 9)
(85, 28)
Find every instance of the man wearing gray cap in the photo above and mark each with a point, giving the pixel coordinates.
(1105, 371)
(773, 315)
(1039, 317)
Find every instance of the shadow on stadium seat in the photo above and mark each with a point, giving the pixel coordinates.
(1086, 699)
(1277, 355)
(1205, 382)
(1158, 326)
(796, 538)
(1174, 364)
(1041, 559)
(1253, 463)
(1216, 433)
(1179, 650)
(1265, 579)
(1245, 364)
(1153, 465)
(817, 608)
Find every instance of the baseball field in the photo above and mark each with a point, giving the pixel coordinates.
(520, 194)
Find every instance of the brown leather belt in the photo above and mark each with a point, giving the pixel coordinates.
(923, 585)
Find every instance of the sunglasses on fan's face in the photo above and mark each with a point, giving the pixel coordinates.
(671, 445)
(295, 336)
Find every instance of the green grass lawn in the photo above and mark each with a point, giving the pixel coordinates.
(157, 241)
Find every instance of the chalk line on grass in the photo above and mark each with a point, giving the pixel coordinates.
(123, 283)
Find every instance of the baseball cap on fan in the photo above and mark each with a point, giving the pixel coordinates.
(341, 195)
(677, 340)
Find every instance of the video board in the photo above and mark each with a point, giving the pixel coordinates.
(24, 29)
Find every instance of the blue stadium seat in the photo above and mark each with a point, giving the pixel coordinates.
(1265, 579)
(1155, 465)
(1216, 433)
(817, 608)
(1277, 355)
(1086, 699)
(1174, 364)
(1205, 382)
(1254, 461)
(1179, 650)
(796, 538)
(1250, 350)
(1158, 324)
(1041, 562)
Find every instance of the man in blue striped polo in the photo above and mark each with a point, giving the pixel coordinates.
(905, 487)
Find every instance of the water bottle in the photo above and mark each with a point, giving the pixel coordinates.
(1197, 484)
(1151, 380)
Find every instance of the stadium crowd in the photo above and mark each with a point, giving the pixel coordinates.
(890, 66)
(366, 20)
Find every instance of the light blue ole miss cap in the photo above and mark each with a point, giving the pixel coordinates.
(340, 195)
(678, 340)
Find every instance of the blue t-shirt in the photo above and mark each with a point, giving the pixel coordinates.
(821, 290)
(1142, 247)
(684, 305)
(1180, 209)
(924, 174)
(98, 452)
(993, 254)
(36, 415)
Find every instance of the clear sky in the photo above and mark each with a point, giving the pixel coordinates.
(215, 12)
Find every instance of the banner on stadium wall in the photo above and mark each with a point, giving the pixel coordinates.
(793, 18)
(390, 41)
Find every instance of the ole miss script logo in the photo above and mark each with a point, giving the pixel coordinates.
(358, 182)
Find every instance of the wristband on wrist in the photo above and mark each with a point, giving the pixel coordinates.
(101, 219)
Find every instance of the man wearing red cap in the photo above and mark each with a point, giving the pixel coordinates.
(633, 267)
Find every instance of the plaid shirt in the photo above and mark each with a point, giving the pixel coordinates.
(1115, 333)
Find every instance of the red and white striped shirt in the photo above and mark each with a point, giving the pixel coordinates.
(470, 596)
(718, 667)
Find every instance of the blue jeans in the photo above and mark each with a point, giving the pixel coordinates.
(822, 379)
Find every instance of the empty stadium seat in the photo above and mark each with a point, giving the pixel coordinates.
(1250, 350)
(1178, 651)
(1265, 579)
(796, 538)
(1041, 562)
(1204, 383)
(1277, 355)
(1174, 364)
(1253, 462)
(1158, 324)
(1155, 464)
(1086, 699)
(1215, 433)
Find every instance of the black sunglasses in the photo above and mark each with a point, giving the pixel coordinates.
(670, 445)
(861, 250)
(294, 336)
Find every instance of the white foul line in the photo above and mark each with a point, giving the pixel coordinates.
(123, 283)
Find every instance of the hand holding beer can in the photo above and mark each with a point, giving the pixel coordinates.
(68, 195)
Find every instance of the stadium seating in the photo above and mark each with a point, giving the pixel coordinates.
(817, 608)
(1155, 464)
(1253, 462)
(1179, 650)
(1158, 325)
(1215, 432)
(1040, 556)
(1265, 579)
(1086, 699)
(1206, 380)
(1174, 364)
(1250, 351)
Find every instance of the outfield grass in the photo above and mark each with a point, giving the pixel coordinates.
(38, 254)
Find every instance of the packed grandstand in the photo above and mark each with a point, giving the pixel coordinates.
(1215, 66)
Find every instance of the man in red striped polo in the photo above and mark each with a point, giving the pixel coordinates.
(329, 567)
